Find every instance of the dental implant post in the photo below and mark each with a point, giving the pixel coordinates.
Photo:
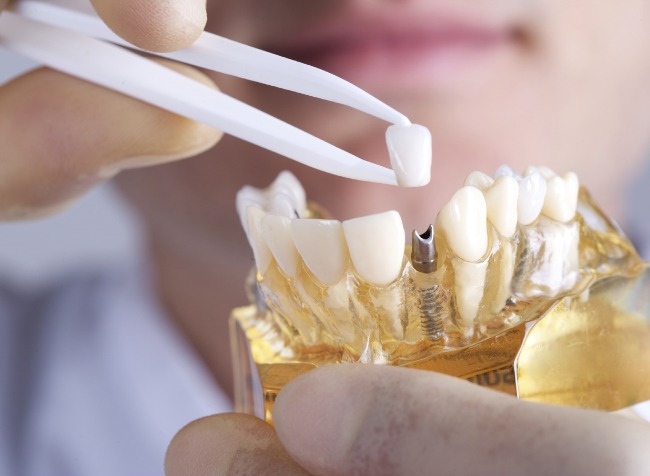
(423, 259)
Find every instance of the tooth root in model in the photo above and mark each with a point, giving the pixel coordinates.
(506, 270)
(469, 287)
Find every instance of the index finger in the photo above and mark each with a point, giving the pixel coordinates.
(154, 25)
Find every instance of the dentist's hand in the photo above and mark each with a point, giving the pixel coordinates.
(60, 135)
(376, 420)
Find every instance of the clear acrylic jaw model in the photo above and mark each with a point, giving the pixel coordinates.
(556, 310)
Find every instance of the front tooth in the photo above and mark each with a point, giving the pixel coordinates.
(282, 204)
(277, 234)
(321, 243)
(501, 201)
(376, 244)
(463, 220)
(532, 190)
(561, 197)
(409, 148)
(479, 180)
(287, 183)
(246, 197)
(261, 251)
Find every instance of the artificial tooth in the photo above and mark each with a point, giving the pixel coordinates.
(505, 171)
(277, 233)
(321, 243)
(546, 172)
(287, 183)
(409, 148)
(282, 204)
(561, 197)
(376, 244)
(463, 220)
(501, 201)
(469, 279)
(479, 180)
(532, 190)
(261, 251)
(246, 197)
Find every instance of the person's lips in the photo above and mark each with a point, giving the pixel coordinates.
(432, 49)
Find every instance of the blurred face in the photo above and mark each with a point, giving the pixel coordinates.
(519, 82)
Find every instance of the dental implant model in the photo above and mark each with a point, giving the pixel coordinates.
(522, 284)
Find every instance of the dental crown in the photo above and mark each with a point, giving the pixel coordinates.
(501, 251)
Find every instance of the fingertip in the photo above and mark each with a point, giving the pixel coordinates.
(228, 444)
(155, 25)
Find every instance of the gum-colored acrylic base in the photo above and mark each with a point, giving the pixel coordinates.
(589, 353)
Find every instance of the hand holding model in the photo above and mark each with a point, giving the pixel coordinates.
(61, 135)
(374, 420)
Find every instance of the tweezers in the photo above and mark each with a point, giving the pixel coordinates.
(77, 42)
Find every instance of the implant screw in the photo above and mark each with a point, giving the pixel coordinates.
(423, 258)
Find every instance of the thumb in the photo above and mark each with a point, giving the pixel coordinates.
(155, 25)
(228, 444)
(61, 135)
(373, 420)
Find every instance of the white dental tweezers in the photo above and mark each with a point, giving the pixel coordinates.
(70, 37)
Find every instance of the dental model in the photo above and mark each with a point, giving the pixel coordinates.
(502, 252)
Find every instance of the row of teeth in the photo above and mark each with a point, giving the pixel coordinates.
(374, 244)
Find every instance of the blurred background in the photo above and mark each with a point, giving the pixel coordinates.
(99, 229)
(95, 231)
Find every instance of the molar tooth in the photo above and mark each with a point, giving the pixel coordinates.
(463, 220)
(376, 244)
(261, 251)
(479, 180)
(532, 190)
(277, 234)
(321, 243)
(501, 201)
(561, 197)
(409, 148)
